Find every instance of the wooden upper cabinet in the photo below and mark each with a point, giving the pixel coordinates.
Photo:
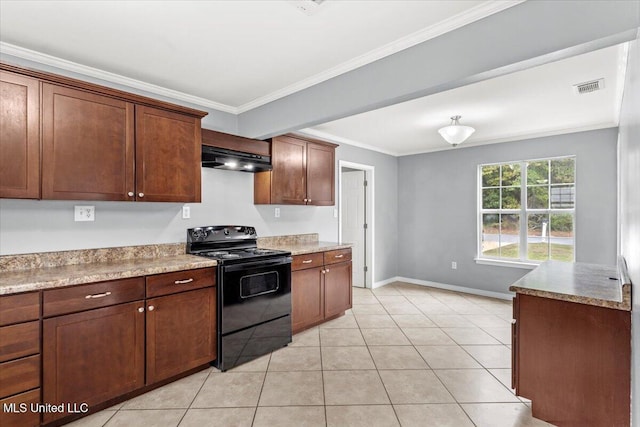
(168, 149)
(62, 138)
(320, 174)
(303, 173)
(87, 146)
(19, 136)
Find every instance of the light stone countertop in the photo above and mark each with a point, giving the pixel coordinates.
(583, 283)
(301, 248)
(52, 276)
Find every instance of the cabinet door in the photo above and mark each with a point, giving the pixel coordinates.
(93, 356)
(181, 333)
(168, 147)
(288, 177)
(307, 298)
(320, 174)
(337, 289)
(20, 136)
(87, 146)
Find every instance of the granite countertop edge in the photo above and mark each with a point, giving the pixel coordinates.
(13, 282)
(308, 248)
(624, 305)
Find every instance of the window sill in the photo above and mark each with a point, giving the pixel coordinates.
(505, 263)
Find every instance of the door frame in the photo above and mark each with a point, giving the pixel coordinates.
(370, 214)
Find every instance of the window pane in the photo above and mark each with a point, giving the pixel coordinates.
(511, 175)
(538, 172)
(511, 198)
(491, 198)
(538, 197)
(491, 234)
(562, 171)
(563, 196)
(561, 237)
(491, 176)
(538, 237)
(510, 236)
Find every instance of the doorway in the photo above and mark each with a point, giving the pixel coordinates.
(356, 218)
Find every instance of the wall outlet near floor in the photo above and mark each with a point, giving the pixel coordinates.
(454, 265)
(186, 212)
(276, 212)
(84, 213)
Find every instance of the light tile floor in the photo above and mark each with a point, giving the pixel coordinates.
(405, 355)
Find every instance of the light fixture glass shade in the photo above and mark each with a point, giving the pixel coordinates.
(455, 133)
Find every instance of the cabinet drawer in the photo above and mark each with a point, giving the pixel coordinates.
(301, 262)
(19, 375)
(180, 281)
(86, 297)
(19, 308)
(339, 255)
(21, 401)
(19, 340)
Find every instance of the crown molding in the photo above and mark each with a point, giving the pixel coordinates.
(63, 64)
(340, 140)
(464, 18)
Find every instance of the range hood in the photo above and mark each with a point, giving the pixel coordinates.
(222, 158)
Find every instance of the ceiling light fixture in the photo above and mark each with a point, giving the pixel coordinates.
(455, 133)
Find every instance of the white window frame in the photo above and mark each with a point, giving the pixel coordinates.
(523, 211)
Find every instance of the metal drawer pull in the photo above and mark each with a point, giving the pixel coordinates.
(102, 295)
(307, 261)
(182, 282)
(151, 308)
(339, 256)
(141, 310)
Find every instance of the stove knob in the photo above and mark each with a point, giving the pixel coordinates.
(198, 234)
(226, 231)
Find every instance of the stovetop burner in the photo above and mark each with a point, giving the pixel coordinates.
(227, 243)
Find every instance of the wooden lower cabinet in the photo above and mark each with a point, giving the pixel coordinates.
(319, 293)
(181, 333)
(572, 361)
(337, 289)
(307, 298)
(16, 411)
(93, 356)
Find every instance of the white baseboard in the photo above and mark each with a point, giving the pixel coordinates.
(463, 289)
(384, 282)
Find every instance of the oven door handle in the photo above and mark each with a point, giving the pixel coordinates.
(257, 264)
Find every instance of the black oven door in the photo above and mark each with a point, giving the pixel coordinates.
(254, 293)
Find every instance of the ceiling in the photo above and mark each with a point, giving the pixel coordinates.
(234, 56)
(229, 55)
(535, 102)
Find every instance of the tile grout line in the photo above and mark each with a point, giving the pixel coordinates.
(264, 380)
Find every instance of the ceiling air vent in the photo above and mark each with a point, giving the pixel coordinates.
(590, 86)
(308, 7)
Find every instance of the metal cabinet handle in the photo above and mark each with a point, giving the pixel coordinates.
(102, 295)
(130, 193)
(307, 261)
(182, 282)
(308, 200)
(305, 200)
(327, 270)
(324, 271)
(339, 256)
(140, 194)
(141, 310)
(151, 308)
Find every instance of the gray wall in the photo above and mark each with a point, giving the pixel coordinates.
(227, 198)
(438, 200)
(629, 146)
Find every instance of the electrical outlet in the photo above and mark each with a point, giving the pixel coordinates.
(276, 212)
(454, 265)
(84, 213)
(186, 212)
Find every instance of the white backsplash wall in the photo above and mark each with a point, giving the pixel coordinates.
(227, 198)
